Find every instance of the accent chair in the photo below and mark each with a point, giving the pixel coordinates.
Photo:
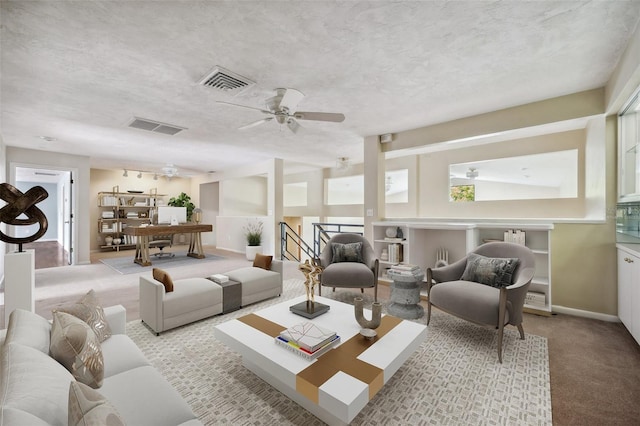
(487, 287)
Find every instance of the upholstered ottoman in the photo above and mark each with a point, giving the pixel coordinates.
(258, 283)
(191, 299)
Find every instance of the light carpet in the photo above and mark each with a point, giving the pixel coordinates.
(126, 265)
(454, 378)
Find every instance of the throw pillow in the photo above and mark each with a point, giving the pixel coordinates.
(89, 310)
(351, 252)
(262, 261)
(89, 407)
(492, 271)
(164, 278)
(77, 348)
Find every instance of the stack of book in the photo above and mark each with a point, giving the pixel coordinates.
(405, 269)
(515, 236)
(308, 340)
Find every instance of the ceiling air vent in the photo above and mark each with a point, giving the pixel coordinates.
(225, 81)
(155, 126)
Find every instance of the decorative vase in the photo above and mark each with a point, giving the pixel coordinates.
(251, 252)
(384, 256)
(376, 313)
(108, 240)
(117, 241)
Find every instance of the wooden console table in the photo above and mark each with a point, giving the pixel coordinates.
(143, 234)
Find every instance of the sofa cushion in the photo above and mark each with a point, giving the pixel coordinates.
(262, 261)
(76, 347)
(470, 300)
(30, 329)
(191, 294)
(12, 416)
(492, 271)
(88, 309)
(121, 354)
(143, 397)
(350, 252)
(35, 383)
(164, 278)
(88, 407)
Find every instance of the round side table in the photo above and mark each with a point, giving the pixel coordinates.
(405, 295)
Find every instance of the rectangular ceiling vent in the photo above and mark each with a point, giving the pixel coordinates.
(225, 81)
(155, 126)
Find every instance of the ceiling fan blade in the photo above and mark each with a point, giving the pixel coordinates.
(255, 123)
(293, 125)
(244, 106)
(290, 99)
(320, 116)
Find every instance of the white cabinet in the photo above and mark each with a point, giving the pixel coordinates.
(426, 242)
(629, 289)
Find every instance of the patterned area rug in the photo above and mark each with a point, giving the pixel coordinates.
(454, 378)
(126, 265)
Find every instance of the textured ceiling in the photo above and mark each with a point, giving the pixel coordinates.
(80, 71)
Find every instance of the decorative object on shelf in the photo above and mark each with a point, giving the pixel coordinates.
(183, 200)
(442, 257)
(253, 234)
(391, 232)
(130, 191)
(384, 256)
(117, 241)
(108, 240)
(376, 313)
(19, 204)
(197, 215)
(399, 233)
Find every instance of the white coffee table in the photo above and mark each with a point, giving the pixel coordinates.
(339, 384)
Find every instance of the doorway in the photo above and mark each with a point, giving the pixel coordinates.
(55, 247)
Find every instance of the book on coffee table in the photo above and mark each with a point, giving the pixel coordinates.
(308, 335)
(293, 347)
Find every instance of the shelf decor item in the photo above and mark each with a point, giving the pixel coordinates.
(108, 240)
(391, 232)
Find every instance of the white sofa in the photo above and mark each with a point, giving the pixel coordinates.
(35, 387)
(257, 283)
(192, 299)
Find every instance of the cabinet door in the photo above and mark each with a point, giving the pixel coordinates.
(627, 275)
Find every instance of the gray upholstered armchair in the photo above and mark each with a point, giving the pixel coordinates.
(344, 265)
(455, 288)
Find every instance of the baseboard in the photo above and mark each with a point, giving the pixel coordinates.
(586, 314)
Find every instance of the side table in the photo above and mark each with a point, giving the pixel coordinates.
(405, 295)
(231, 295)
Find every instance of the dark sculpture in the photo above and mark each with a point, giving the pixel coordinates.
(18, 204)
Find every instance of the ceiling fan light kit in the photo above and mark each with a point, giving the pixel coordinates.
(283, 106)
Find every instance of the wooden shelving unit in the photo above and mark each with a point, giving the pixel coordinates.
(121, 209)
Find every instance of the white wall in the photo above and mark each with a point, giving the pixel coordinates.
(210, 206)
(3, 228)
(232, 229)
(245, 196)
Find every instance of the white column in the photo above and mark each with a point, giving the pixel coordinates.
(19, 282)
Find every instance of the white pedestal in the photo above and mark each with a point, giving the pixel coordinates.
(19, 282)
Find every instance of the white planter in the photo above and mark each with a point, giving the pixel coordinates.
(251, 251)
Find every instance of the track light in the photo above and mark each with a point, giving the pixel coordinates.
(125, 174)
(139, 175)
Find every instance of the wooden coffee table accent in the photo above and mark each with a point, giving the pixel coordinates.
(336, 386)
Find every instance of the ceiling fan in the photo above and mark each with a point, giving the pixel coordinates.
(282, 108)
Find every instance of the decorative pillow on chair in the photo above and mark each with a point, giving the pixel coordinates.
(262, 261)
(76, 347)
(493, 271)
(89, 310)
(88, 407)
(351, 252)
(164, 278)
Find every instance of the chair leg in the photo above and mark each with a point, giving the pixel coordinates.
(500, 333)
(334, 289)
(362, 290)
(521, 330)
(428, 312)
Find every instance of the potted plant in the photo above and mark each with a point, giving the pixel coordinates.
(253, 234)
(183, 200)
